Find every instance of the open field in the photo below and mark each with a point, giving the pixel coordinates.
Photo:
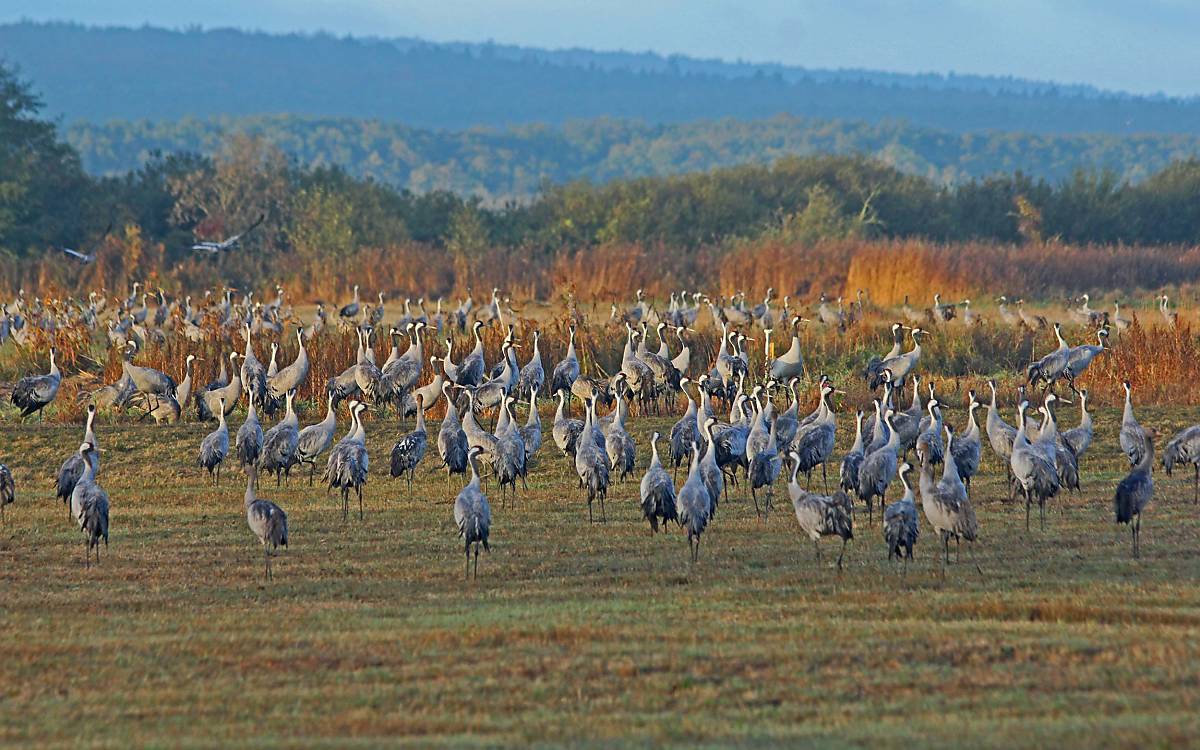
(578, 634)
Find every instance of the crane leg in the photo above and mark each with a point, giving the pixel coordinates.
(841, 554)
(825, 480)
(358, 489)
(477, 561)
(754, 496)
(467, 572)
(971, 550)
(1028, 501)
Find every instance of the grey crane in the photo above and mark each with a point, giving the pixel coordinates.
(266, 519)
(1055, 447)
(349, 311)
(901, 527)
(814, 444)
(1032, 469)
(761, 423)
(788, 423)
(947, 507)
(401, 375)
(1052, 367)
(348, 465)
(254, 375)
(367, 376)
(790, 364)
(879, 468)
(1000, 437)
(1080, 357)
(897, 368)
(89, 506)
(223, 398)
(470, 370)
(619, 444)
(566, 431)
(873, 368)
(1008, 316)
(851, 462)
(531, 432)
(1132, 437)
(1184, 448)
(907, 423)
(1135, 492)
(409, 450)
(968, 446)
(657, 491)
(72, 468)
(147, 380)
(273, 364)
(114, 395)
(36, 392)
(215, 445)
(509, 463)
(214, 247)
(249, 442)
(472, 514)
(683, 360)
(566, 371)
(693, 505)
(281, 442)
(591, 464)
(1080, 438)
(8, 490)
(315, 439)
(710, 472)
(430, 393)
(1164, 309)
(684, 434)
(183, 391)
(1121, 323)
(821, 515)
(930, 435)
(290, 378)
(452, 441)
(765, 465)
(532, 375)
(476, 435)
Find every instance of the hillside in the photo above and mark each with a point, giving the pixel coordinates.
(100, 74)
(515, 163)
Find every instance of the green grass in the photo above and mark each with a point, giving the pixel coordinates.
(578, 634)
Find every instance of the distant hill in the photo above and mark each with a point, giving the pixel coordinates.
(502, 164)
(101, 74)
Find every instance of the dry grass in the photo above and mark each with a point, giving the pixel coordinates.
(576, 634)
(888, 270)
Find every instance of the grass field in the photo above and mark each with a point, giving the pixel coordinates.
(578, 634)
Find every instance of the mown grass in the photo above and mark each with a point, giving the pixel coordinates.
(578, 634)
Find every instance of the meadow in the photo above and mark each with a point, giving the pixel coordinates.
(578, 634)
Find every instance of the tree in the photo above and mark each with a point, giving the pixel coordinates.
(42, 186)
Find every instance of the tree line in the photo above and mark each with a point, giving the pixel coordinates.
(47, 199)
(101, 74)
(515, 163)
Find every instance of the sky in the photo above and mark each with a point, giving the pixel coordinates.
(1142, 46)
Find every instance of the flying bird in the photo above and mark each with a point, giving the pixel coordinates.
(227, 244)
(86, 258)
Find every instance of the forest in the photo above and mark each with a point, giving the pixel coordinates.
(323, 217)
(515, 163)
(100, 74)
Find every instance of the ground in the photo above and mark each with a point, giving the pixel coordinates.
(578, 634)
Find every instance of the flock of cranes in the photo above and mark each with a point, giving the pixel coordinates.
(756, 443)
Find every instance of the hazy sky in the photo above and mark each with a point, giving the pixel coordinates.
(1133, 45)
